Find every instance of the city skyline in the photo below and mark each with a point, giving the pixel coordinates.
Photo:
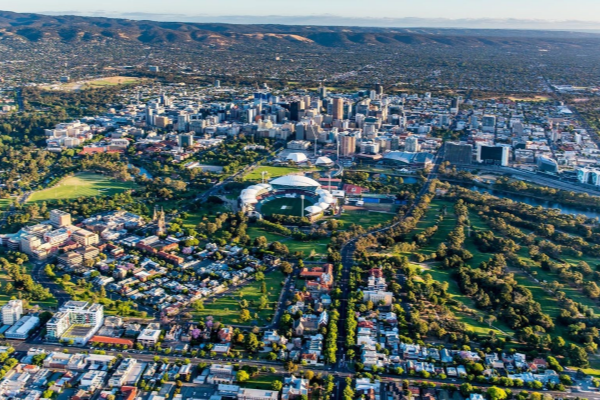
(530, 14)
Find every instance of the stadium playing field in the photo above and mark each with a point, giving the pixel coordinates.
(285, 206)
(82, 185)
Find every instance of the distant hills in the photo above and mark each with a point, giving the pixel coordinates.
(37, 27)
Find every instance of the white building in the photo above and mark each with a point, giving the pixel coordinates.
(412, 144)
(118, 378)
(149, 337)
(77, 321)
(22, 328)
(12, 312)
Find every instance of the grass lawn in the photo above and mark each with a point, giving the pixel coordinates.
(113, 81)
(430, 217)
(226, 309)
(210, 211)
(476, 224)
(319, 246)
(262, 381)
(5, 203)
(590, 371)
(363, 218)
(4, 298)
(271, 172)
(444, 228)
(255, 232)
(285, 206)
(571, 293)
(82, 185)
(470, 318)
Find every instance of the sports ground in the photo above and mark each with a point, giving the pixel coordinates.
(82, 185)
(285, 206)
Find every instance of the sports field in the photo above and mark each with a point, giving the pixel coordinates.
(364, 218)
(82, 185)
(113, 81)
(94, 83)
(285, 206)
(271, 172)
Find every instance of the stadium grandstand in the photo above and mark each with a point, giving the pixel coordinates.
(293, 195)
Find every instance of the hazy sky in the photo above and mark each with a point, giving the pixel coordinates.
(557, 10)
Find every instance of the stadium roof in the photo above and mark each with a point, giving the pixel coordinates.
(295, 181)
(405, 157)
(323, 161)
(297, 157)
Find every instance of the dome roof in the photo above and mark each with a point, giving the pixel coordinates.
(323, 205)
(295, 181)
(323, 161)
(313, 209)
(297, 157)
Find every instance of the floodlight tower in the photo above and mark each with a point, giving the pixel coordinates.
(302, 198)
(263, 176)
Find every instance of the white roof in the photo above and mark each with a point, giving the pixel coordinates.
(323, 160)
(313, 209)
(323, 205)
(297, 157)
(295, 180)
(149, 334)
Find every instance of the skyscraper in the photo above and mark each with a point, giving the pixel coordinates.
(296, 107)
(412, 144)
(322, 92)
(338, 108)
(347, 144)
(489, 123)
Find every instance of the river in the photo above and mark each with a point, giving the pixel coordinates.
(143, 171)
(532, 201)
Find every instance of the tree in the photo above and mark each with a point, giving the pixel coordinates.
(198, 305)
(286, 267)
(495, 393)
(466, 389)
(251, 342)
(8, 288)
(276, 386)
(263, 302)
(245, 315)
(242, 376)
(290, 366)
(49, 271)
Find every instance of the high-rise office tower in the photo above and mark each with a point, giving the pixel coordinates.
(295, 110)
(338, 108)
(347, 144)
(322, 92)
(412, 144)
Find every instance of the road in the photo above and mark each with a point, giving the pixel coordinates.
(347, 252)
(39, 275)
(533, 177)
(340, 376)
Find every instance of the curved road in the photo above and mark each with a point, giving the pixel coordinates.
(347, 253)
